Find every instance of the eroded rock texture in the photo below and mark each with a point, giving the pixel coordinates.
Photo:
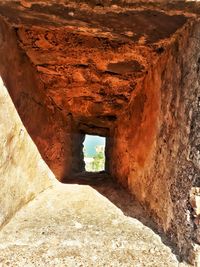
(125, 70)
(157, 158)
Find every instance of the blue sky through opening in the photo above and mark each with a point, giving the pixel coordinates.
(90, 143)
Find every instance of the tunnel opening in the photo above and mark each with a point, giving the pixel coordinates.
(94, 153)
(90, 150)
(144, 114)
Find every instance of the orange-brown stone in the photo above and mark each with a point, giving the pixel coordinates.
(129, 72)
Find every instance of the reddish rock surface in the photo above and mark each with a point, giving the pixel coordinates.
(124, 70)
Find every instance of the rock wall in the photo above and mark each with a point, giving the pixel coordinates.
(47, 126)
(72, 71)
(90, 67)
(157, 145)
(23, 173)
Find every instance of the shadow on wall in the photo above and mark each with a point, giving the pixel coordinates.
(43, 120)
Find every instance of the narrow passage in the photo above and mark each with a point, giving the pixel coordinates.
(80, 225)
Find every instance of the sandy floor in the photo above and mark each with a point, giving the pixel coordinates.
(75, 225)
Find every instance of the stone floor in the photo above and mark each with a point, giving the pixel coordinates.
(82, 225)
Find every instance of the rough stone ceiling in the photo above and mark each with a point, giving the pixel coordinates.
(91, 55)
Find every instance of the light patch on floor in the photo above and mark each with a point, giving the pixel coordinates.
(74, 225)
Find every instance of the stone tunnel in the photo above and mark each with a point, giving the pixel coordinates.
(125, 70)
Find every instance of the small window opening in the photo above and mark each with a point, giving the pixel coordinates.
(94, 153)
